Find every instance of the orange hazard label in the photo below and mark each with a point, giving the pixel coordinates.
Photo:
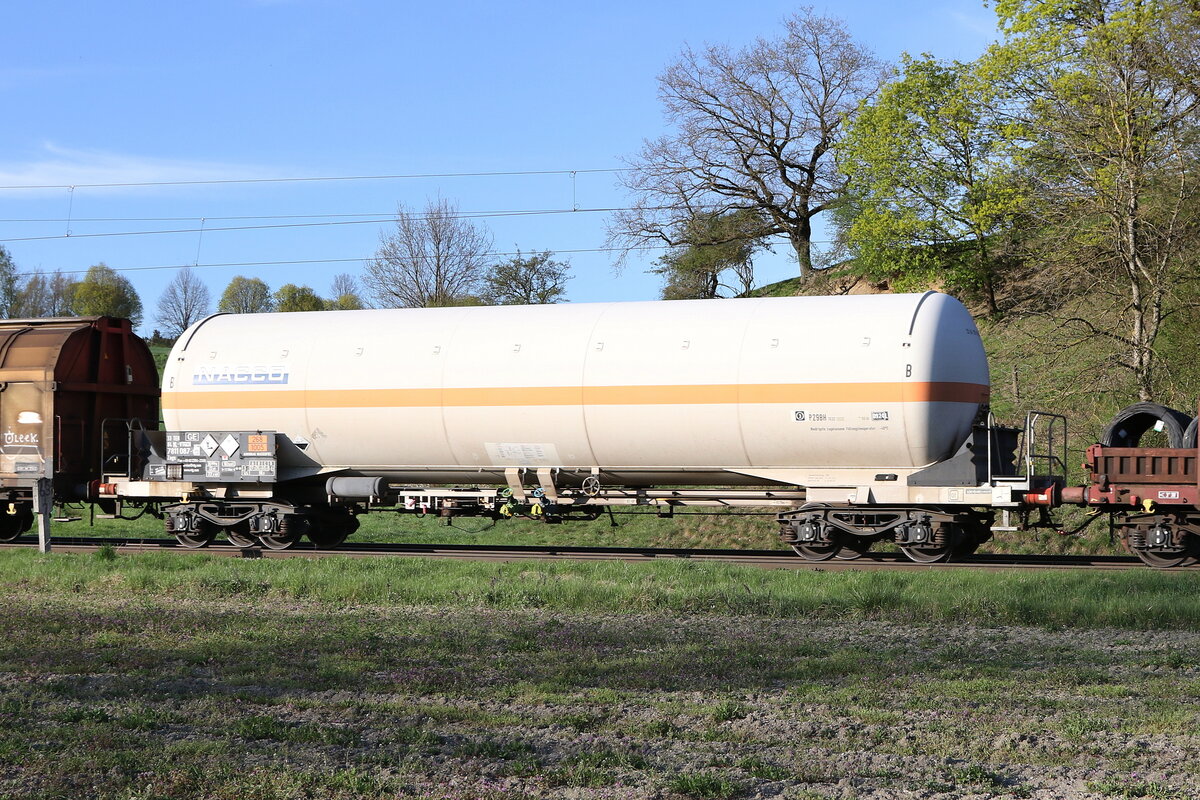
(256, 443)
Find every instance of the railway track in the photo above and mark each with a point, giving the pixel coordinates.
(767, 559)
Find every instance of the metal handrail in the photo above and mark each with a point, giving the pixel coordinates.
(1055, 454)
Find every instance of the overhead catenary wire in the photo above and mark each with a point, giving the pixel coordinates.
(356, 260)
(205, 221)
(313, 179)
(387, 215)
(210, 217)
(374, 220)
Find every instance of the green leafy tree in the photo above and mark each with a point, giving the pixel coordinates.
(717, 257)
(527, 280)
(291, 297)
(1103, 97)
(105, 292)
(933, 197)
(246, 296)
(9, 286)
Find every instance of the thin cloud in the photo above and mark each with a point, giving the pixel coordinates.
(57, 166)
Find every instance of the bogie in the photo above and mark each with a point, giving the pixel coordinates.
(1162, 541)
(924, 535)
(274, 526)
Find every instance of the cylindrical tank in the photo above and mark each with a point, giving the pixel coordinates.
(647, 393)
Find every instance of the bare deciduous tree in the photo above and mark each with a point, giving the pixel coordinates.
(755, 132)
(432, 259)
(185, 300)
(343, 293)
(45, 295)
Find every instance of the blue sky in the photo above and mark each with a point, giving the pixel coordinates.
(135, 92)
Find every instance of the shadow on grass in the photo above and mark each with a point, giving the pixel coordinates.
(188, 651)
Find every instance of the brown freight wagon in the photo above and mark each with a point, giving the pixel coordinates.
(70, 388)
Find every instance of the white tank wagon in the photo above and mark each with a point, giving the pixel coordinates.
(862, 417)
(750, 391)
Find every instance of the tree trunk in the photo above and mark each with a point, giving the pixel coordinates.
(801, 238)
(985, 269)
(1141, 335)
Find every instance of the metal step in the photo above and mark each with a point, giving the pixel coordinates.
(1005, 522)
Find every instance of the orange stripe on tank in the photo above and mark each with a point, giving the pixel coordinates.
(705, 394)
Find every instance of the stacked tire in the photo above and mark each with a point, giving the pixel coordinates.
(1132, 423)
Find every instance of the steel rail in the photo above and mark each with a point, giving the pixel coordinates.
(772, 559)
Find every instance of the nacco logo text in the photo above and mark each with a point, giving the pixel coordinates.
(240, 375)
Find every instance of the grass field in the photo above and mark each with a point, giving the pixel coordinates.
(158, 676)
(1135, 599)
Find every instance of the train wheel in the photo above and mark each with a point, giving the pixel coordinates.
(239, 535)
(280, 533)
(1160, 560)
(818, 552)
(329, 533)
(1135, 541)
(277, 541)
(328, 537)
(948, 539)
(202, 537)
(13, 525)
(967, 546)
(854, 547)
(928, 555)
(1165, 560)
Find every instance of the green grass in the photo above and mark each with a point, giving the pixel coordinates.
(1136, 599)
(160, 353)
(172, 690)
(758, 768)
(703, 786)
(1136, 788)
(789, 287)
(727, 710)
